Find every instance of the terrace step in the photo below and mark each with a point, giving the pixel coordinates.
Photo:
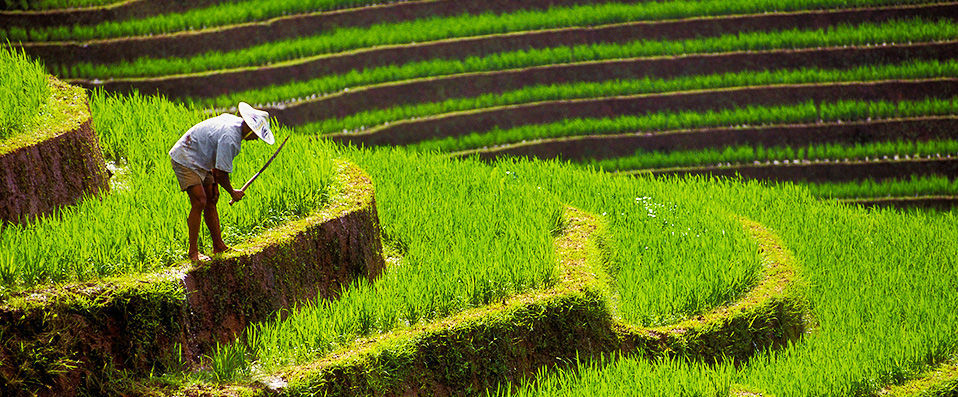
(380, 96)
(54, 340)
(505, 117)
(49, 170)
(244, 35)
(211, 84)
(121, 10)
(943, 203)
(579, 148)
(820, 171)
(478, 349)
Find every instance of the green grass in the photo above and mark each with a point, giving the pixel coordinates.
(227, 13)
(750, 116)
(579, 90)
(747, 154)
(881, 300)
(41, 5)
(864, 34)
(141, 225)
(429, 29)
(905, 187)
(24, 93)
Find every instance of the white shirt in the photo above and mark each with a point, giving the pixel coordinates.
(212, 143)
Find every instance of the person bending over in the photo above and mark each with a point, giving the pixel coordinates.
(203, 157)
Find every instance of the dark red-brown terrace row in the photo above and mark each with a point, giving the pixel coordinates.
(93, 15)
(239, 36)
(581, 148)
(474, 84)
(830, 171)
(212, 84)
(461, 123)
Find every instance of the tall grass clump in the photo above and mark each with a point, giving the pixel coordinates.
(465, 235)
(141, 225)
(672, 255)
(912, 30)
(609, 88)
(913, 186)
(879, 287)
(24, 92)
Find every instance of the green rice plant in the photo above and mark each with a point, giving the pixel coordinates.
(880, 290)
(24, 92)
(911, 187)
(807, 112)
(745, 154)
(672, 256)
(140, 226)
(41, 5)
(247, 11)
(864, 34)
(468, 235)
(578, 90)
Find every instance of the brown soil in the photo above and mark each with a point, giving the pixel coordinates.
(620, 145)
(218, 83)
(458, 124)
(36, 180)
(235, 37)
(830, 171)
(94, 15)
(904, 203)
(475, 84)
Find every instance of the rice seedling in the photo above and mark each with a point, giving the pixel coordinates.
(864, 34)
(909, 70)
(807, 112)
(24, 93)
(40, 5)
(907, 187)
(247, 11)
(140, 226)
(881, 303)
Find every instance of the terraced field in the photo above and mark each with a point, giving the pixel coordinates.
(629, 271)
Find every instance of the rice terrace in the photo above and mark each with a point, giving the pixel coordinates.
(478, 198)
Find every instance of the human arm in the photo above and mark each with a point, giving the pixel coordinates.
(222, 178)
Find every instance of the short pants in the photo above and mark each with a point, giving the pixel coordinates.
(187, 176)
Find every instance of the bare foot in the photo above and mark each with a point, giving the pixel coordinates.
(198, 257)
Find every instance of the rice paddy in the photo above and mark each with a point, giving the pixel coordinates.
(465, 233)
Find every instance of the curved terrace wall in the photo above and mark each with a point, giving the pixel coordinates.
(237, 37)
(824, 171)
(57, 166)
(475, 84)
(478, 349)
(70, 339)
(93, 15)
(209, 84)
(461, 123)
(621, 145)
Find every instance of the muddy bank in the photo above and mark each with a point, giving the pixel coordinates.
(57, 171)
(73, 339)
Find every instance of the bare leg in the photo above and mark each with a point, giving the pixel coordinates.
(198, 202)
(212, 218)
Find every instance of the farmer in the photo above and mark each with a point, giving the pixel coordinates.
(204, 156)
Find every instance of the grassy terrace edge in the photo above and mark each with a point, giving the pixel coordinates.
(578, 148)
(504, 117)
(239, 36)
(71, 338)
(507, 341)
(213, 83)
(57, 163)
(91, 15)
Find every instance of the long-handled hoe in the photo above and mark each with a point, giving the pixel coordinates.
(253, 178)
